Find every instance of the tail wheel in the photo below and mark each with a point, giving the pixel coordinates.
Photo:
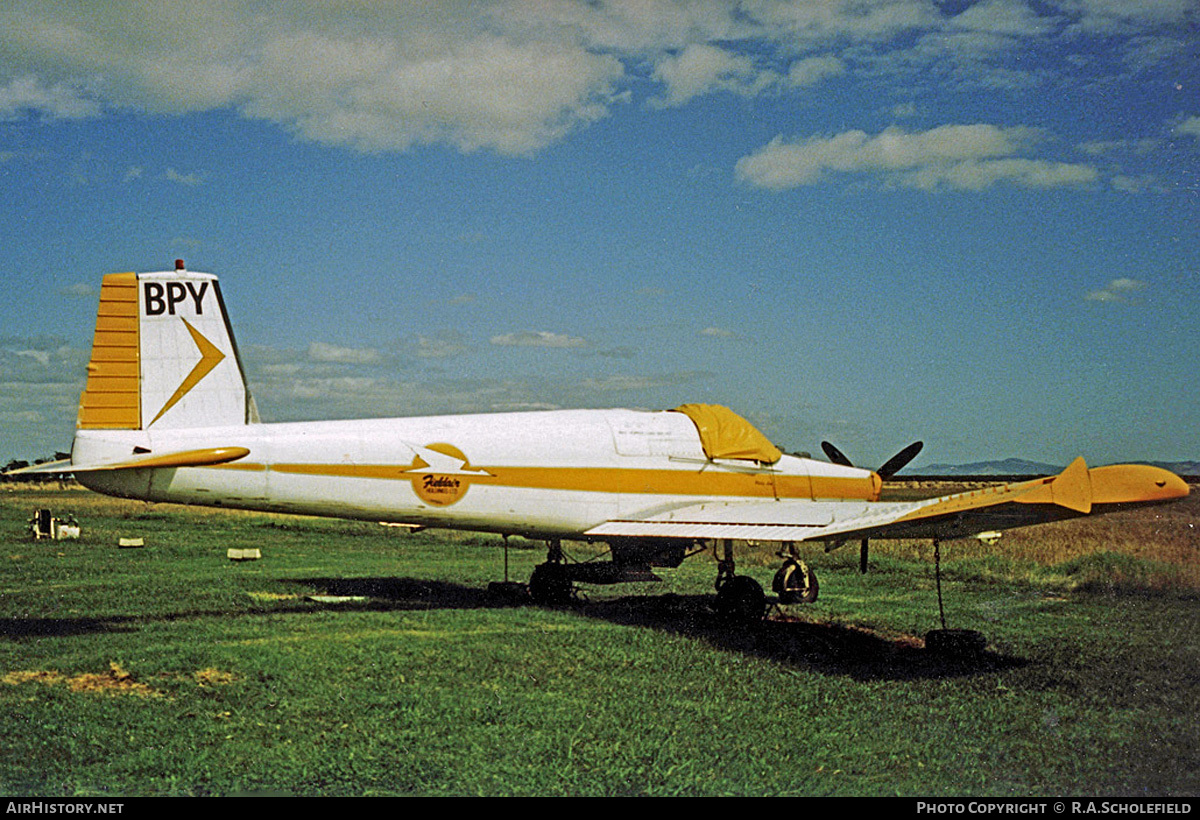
(741, 599)
(795, 583)
(550, 585)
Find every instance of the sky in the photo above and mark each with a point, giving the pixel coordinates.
(865, 221)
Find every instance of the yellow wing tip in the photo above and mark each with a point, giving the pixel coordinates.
(1133, 483)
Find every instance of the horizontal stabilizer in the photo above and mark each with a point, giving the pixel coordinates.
(63, 465)
(187, 458)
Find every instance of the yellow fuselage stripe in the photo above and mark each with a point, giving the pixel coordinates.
(606, 479)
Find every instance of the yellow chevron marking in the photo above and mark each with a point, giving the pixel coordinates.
(210, 357)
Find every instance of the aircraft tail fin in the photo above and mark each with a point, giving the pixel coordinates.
(163, 356)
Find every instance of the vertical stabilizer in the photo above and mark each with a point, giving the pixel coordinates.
(163, 356)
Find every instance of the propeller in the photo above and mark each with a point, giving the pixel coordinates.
(835, 455)
(899, 461)
(890, 467)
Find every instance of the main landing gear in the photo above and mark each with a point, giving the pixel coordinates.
(739, 597)
(794, 583)
(551, 584)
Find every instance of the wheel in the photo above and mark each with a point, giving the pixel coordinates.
(550, 585)
(795, 583)
(955, 642)
(741, 599)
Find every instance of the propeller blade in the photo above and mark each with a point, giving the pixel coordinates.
(900, 460)
(835, 455)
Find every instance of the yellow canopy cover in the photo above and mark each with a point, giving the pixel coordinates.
(725, 434)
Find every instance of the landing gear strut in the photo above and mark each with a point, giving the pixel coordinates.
(739, 597)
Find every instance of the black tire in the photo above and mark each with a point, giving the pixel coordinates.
(956, 642)
(795, 583)
(550, 585)
(741, 600)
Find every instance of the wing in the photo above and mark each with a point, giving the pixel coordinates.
(186, 458)
(1074, 492)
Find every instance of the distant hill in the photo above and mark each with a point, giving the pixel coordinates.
(1189, 468)
(1020, 466)
(1008, 466)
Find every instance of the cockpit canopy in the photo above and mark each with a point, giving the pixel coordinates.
(725, 434)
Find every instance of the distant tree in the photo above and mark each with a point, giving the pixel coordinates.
(17, 464)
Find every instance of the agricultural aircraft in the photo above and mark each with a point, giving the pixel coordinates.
(166, 416)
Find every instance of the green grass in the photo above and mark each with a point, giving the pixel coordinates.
(227, 679)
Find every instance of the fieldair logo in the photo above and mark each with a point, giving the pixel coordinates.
(441, 475)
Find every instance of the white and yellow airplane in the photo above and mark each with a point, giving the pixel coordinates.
(166, 416)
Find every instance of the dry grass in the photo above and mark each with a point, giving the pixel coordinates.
(115, 681)
(1164, 541)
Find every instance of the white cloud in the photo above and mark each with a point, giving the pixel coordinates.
(622, 383)
(374, 77)
(29, 95)
(522, 406)
(977, 175)
(322, 352)
(431, 347)
(812, 70)
(1137, 147)
(191, 180)
(42, 357)
(702, 68)
(1137, 184)
(1118, 290)
(81, 289)
(960, 157)
(806, 22)
(1003, 17)
(1189, 127)
(310, 389)
(375, 94)
(541, 338)
(511, 76)
(1116, 16)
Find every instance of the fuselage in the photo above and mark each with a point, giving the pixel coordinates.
(550, 474)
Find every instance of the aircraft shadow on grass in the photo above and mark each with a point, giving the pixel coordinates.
(803, 645)
(800, 644)
(16, 629)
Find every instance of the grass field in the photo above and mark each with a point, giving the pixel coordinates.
(169, 670)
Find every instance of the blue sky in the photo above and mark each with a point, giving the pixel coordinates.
(868, 221)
